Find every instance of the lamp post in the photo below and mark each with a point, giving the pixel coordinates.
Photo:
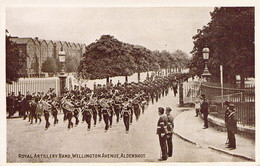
(206, 73)
(62, 76)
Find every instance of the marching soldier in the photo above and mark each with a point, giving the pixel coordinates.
(117, 107)
(162, 131)
(87, 114)
(46, 109)
(106, 112)
(68, 108)
(76, 112)
(94, 110)
(170, 127)
(32, 110)
(136, 108)
(54, 111)
(126, 113)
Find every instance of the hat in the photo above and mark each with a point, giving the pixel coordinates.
(161, 110)
(227, 102)
(231, 106)
(168, 109)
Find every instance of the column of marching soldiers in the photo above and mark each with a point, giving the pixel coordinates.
(124, 101)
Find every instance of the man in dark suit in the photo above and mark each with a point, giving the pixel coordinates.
(162, 131)
(204, 110)
(170, 126)
(231, 124)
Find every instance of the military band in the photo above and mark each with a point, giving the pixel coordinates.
(122, 101)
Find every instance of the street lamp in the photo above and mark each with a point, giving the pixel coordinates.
(62, 76)
(206, 73)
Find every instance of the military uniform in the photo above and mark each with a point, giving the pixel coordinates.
(126, 113)
(106, 113)
(87, 114)
(204, 110)
(162, 131)
(231, 124)
(170, 126)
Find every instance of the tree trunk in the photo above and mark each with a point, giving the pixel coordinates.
(242, 81)
(138, 76)
(126, 78)
(107, 82)
(181, 103)
(147, 75)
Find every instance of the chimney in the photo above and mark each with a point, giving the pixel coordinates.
(36, 38)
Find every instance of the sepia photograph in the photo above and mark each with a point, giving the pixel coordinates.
(130, 84)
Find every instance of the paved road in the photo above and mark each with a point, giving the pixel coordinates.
(27, 140)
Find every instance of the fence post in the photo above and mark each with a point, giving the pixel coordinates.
(221, 81)
(181, 93)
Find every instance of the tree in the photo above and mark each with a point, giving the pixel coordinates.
(107, 57)
(15, 61)
(51, 65)
(230, 37)
(180, 59)
(71, 64)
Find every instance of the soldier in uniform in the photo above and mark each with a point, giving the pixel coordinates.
(106, 112)
(175, 87)
(94, 110)
(204, 110)
(126, 113)
(54, 111)
(162, 131)
(99, 108)
(68, 108)
(9, 105)
(19, 103)
(117, 107)
(76, 112)
(111, 110)
(87, 114)
(231, 124)
(136, 108)
(170, 127)
(32, 110)
(46, 109)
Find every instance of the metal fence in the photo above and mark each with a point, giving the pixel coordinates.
(243, 99)
(191, 91)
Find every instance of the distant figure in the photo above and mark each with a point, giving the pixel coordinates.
(175, 87)
(162, 131)
(204, 110)
(231, 124)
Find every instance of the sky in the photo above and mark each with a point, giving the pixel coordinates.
(156, 28)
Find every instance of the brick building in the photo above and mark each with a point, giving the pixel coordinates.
(37, 50)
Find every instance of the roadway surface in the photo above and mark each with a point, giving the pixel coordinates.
(31, 143)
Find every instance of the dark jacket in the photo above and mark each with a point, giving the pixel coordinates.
(162, 125)
(170, 124)
(232, 123)
(204, 107)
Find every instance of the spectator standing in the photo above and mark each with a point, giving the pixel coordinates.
(170, 127)
(162, 131)
(231, 124)
(204, 110)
